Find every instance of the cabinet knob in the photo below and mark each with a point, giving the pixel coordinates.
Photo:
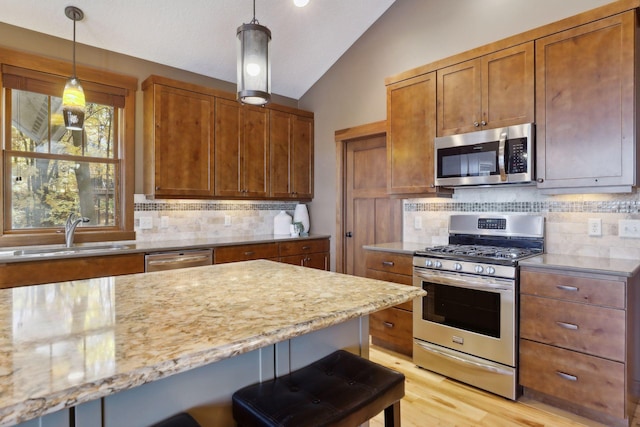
(540, 180)
(348, 234)
(476, 124)
(483, 123)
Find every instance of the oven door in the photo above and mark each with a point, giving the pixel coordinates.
(468, 313)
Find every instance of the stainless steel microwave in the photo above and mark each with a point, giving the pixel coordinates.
(487, 157)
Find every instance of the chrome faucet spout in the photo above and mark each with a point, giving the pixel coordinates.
(70, 228)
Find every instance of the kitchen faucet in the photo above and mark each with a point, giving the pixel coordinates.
(70, 227)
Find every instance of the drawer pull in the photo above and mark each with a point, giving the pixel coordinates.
(567, 376)
(388, 263)
(567, 325)
(568, 288)
(306, 248)
(388, 324)
(249, 253)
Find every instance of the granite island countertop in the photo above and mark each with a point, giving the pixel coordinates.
(67, 343)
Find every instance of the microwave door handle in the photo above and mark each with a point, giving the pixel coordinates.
(501, 153)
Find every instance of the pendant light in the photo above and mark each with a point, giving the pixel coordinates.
(254, 63)
(73, 96)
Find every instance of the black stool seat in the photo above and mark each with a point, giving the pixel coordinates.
(182, 419)
(341, 389)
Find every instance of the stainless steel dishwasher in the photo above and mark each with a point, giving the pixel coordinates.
(161, 261)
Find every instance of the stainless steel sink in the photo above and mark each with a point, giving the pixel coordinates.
(43, 252)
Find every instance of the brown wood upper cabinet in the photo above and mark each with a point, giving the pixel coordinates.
(489, 92)
(241, 150)
(291, 151)
(585, 107)
(411, 121)
(178, 141)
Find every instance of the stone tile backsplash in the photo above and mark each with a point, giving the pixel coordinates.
(566, 218)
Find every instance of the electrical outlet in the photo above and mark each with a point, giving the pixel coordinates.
(227, 220)
(629, 228)
(417, 223)
(146, 222)
(595, 227)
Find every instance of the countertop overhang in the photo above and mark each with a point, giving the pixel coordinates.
(67, 343)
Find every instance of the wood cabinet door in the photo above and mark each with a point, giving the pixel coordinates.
(280, 154)
(411, 122)
(183, 143)
(459, 97)
(254, 164)
(508, 87)
(585, 105)
(228, 139)
(302, 157)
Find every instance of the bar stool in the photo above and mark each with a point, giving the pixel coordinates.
(183, 419)
(340, 390)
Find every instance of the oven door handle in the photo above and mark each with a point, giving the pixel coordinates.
(460, 360)
(452, 279)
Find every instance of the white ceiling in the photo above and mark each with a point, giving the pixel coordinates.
(200, 35)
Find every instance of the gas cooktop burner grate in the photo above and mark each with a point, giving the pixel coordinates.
(480, 251)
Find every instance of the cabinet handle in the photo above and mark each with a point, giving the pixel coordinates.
(566, 325)
(249, 253)
(388, 324)
(567, 376)
(568, 288)
(326, 262)
(388, 263)
(306, 248)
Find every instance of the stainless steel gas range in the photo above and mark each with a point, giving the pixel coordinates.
(466, 327)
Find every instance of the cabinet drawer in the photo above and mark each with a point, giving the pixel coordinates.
(391, 262)
(589, 329)
(610, 293)
(245, 252)
(594, 383)
(318, 260)
(303, 247)
(395, 278)
(392, 328)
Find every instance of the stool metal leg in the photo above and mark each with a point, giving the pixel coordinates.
(392, 415)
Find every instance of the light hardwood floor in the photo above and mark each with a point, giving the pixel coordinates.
(435, 401)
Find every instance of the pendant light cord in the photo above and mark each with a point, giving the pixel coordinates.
(74, 49)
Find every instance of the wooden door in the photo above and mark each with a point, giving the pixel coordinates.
(411, 123)
(280, 152)
(302, 158)
(254, 165)
(459, 98)
(183, 143)
(585, 105)
(228, 138)
(508, 87)
(370, 215)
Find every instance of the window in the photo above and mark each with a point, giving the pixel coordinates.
(50, 172)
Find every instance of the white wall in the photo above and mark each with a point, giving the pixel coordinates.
(411, 33)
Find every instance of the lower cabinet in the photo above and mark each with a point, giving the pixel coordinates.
(578, 342)
(312, 253)
(61, 270)
(392, 328)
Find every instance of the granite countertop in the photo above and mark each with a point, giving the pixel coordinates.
(127, 247)
(396, 247)
(67, 343)
(622, 267)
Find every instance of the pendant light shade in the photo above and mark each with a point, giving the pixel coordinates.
(73, 103)
(254, 62)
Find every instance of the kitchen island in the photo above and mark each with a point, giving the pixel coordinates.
(134, 349)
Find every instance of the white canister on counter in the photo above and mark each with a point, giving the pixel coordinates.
(281, 223)
(301, 214)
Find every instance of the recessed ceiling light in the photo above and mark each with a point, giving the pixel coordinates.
(301, 3)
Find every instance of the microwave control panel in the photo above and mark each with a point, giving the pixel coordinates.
(517, 156)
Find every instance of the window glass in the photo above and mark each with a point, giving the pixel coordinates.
(55, 171)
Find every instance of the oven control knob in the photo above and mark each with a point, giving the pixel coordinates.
(438, 264)
(428, 263)
(457, 266)
(479, 269)
(491, 270)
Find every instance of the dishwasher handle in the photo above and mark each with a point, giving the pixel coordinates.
(174, 260)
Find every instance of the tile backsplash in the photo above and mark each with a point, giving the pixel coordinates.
(566, 218)
(189, 219)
